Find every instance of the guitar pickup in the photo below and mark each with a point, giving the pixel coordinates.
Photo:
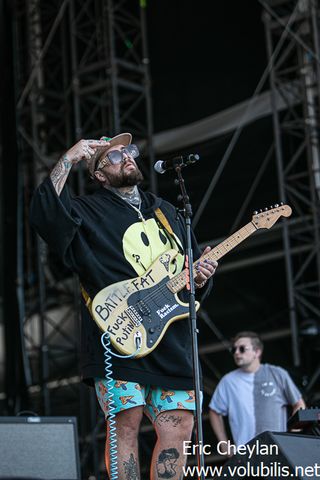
(144, 309)
(134, 316)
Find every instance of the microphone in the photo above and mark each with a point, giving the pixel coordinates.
(161, 166)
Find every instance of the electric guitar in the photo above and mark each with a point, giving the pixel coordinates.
(140, 310)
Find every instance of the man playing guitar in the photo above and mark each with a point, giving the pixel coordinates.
(110, 236)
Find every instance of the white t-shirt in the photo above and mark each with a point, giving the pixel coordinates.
(255, 402)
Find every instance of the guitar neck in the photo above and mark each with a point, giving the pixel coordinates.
(178, 282)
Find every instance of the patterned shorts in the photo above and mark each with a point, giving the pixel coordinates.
(155, 399)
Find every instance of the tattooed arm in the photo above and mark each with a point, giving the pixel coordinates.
(83, 150)
(60, 173)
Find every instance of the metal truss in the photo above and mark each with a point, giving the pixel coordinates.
(110, 72)
(82, 71)
(44, 131)
(292, 36)
(296, 137)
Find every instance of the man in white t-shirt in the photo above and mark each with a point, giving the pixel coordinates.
(255, 396)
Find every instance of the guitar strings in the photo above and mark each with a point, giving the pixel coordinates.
(155, 295)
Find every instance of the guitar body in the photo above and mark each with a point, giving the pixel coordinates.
(141, 307)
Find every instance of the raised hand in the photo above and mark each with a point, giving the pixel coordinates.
(82, 150)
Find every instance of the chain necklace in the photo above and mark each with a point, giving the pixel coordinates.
(130, 198)
(138, 210)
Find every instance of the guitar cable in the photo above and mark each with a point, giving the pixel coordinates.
(113, 452)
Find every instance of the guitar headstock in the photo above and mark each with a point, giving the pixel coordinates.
(267, 218)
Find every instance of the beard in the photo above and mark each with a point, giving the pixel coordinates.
(125, 179)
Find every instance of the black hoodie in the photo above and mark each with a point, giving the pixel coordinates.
(101, 238)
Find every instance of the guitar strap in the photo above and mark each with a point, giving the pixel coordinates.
(164, 221)
(86, 298)
(166, 225)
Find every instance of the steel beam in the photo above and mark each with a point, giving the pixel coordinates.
(298, 166)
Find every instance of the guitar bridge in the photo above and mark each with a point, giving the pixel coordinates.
(134, 316)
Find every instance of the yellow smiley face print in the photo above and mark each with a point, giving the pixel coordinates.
(144, 241)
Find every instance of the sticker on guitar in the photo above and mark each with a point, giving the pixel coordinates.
(121, 291)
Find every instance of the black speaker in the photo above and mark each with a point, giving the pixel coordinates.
(275, 455)
(43, 448)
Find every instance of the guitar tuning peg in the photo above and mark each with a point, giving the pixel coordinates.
(276, 205)
(266, 209)
(271, 206)
(260, 210)
(281, 203)
(255, 212)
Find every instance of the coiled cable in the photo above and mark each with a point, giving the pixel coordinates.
(113, 448)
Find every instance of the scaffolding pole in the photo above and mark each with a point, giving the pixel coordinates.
(297, 152)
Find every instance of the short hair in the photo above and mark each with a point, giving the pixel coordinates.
(254, 337)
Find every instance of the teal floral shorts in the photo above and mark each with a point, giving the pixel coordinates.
(155, 399)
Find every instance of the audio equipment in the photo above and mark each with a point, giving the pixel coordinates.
(37, 448)
(275, 455)
(304, 418)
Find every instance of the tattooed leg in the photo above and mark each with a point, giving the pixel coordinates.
(173, 427)
(127, 428)
(131, 468)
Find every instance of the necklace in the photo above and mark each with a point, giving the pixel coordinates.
(130, 198)
(138, 210)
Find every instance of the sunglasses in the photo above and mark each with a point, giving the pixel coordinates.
(116, 156)
(241, 348)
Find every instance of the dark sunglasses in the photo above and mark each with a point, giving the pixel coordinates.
(116, 156)
(241, 348)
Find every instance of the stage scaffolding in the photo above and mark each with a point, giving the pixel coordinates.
(82, 71)
(294, 58)
(292, 41)
(293, 71)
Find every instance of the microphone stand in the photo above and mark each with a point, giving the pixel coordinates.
(187, 211)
